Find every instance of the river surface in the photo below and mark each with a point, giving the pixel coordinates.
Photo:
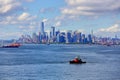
(51, 62)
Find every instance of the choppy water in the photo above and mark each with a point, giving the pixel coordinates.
(50, 62)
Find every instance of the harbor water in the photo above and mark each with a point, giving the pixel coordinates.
(51, 62)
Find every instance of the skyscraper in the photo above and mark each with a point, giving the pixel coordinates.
(69, 36)
(89, 38)
(42, 29)
(83, 38)
(53, 31)
(35, 38)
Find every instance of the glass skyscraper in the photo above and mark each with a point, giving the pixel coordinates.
(53, 31)
(42, 28)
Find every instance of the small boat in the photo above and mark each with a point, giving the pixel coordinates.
(14, 45)
(77, 60)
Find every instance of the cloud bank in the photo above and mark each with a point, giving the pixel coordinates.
(13, 13)
(109, 31)
(91, 7)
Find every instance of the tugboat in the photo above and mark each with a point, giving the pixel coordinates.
(14, 45)
(77, 60)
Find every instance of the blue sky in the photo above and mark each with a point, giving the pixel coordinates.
(19, 17)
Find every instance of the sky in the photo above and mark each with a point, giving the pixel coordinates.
(23, 17)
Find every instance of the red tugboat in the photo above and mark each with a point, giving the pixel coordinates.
(14, 45)
(77, 60)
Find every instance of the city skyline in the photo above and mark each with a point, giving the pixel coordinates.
(66, 37)
(24, 17)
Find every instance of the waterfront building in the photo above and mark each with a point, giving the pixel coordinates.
(74, 37)
(89, 38)
(57, 32)
(79, 38)
(25, 39)
(42, 29)
(58, 38)
(45, 37)
(66, 37)
(52, 34)
(61, 38)
(52, 31)
(69, 36)
(39, 37)
(35, 38)
(83, 39)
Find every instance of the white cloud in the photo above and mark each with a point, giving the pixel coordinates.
(9, 6)
(24, 16)
(14, 14)
(109, 32)
(58, 24)
(74, 9)
(77, 11)
(22, 19)
(91, 7)
(114, 28)
(11, 12)
(45, 20)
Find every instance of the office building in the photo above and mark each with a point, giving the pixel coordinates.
(69, 36)
(42, 29)
(52, 31)
(89, 38)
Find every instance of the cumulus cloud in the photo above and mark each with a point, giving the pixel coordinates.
(58, 24)
(110, 31)
(91, 7)
(13, 14)
(114, 28)
(8, 20)
(74, 9)
(22, 19)
(45, 20)
(26, 16)
(8, 7)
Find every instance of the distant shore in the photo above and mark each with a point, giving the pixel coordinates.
(73, 43)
